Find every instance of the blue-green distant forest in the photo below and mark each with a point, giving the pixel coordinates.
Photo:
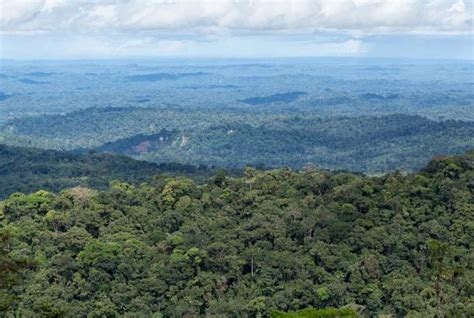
(368, 115)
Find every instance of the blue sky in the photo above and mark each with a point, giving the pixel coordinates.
(62, 29)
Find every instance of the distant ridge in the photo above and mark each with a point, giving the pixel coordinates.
(28, 170)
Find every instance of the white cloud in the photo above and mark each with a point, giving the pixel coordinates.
(227, 28)
(17, 13)
(239, 17)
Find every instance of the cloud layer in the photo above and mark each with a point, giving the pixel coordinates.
(235, 28)
(244, 17)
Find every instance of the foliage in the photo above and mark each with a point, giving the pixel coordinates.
(28, 170)
(317, 313)
(271, 241)
(12, 265)
(230, 139)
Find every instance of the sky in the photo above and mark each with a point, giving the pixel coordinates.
(77, 29)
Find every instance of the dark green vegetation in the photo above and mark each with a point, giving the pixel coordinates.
(29, 170)
(369, 115)
(277, 98)
(154, 77)
(31, 82)
(317, 313)
(141, 144)
(3, 96)
(231, 139)
(271, 241)
(39, 74)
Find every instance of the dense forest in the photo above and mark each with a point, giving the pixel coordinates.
(277, 243)
(363, 115)
(325, 87)
(236, 139)
(219, 188)
(29, 170)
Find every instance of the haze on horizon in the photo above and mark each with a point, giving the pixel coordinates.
(62, 29)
